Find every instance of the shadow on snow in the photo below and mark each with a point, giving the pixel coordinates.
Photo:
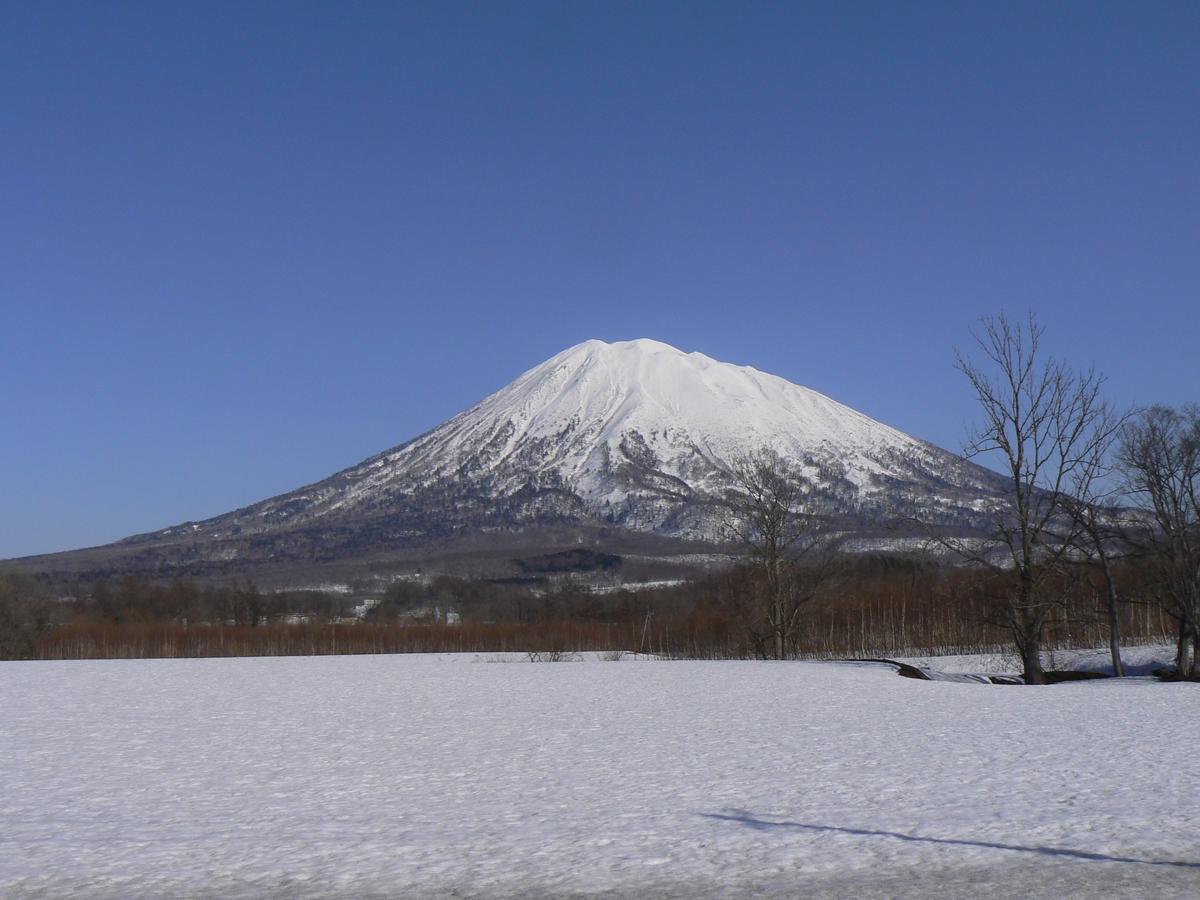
(750, 820)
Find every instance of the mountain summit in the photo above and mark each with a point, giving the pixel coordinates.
(632, 436)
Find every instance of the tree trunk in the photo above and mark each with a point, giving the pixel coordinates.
(1182, 665)
(1114, 632)
(1031, 661)
(778, 613)
(1193, 627)
(1189, 645)
(1111, 607)
(775, 585)
(1029, 638)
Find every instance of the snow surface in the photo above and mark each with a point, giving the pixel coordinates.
(436, 776)
(586, 400)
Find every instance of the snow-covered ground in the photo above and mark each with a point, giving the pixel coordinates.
(432, 776)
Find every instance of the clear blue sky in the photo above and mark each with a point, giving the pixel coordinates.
(244, 245)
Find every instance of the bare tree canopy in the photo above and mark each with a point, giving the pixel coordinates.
(1100, 523)
(1047, 425)
(1159, 457)
(785, 541)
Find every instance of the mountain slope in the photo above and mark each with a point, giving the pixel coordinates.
(634, 435)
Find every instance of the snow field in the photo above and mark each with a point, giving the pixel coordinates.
(450, 776)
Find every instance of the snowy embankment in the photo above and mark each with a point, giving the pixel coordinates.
(440, 775)
(1140, 660)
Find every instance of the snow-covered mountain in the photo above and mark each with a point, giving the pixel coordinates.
(620, 441)
(635, 434)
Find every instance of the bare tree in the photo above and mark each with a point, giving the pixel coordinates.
(1159, 456)
(788, 544)
(1099, 533)
(1044, 423)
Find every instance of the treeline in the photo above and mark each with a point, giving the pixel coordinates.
(868, 606)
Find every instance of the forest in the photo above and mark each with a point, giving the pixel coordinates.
(865, 605)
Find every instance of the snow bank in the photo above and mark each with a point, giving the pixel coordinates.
(1140, 660)
(432, 776)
